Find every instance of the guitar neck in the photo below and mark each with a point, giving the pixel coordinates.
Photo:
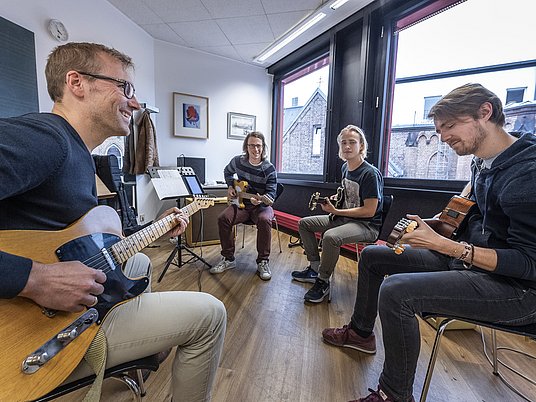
(129, 246)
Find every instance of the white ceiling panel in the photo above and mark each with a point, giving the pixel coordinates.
(225, 51)
(233, 8)
(163, 32)
(283, 6)
(282, 22)
(245, 30)
(137, 11)
(248, 52)
(178, 11)
(200, 33)
(237, 29)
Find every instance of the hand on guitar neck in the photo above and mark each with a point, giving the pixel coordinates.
(431, 233)
(328, 204)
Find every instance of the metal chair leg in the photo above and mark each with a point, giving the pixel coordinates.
(433, 357)
(278, 234)
(131, 384)
(495, 362)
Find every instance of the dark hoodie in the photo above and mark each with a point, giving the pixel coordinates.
(506, 197)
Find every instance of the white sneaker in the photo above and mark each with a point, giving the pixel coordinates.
(222, 266)
(264, 270)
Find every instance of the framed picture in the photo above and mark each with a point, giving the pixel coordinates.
(190, 116)
(239, 125)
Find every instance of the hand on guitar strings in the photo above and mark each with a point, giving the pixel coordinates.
(64, 286)
(328, 207)
(256, 199)
(423, 236)
(231, 193)
(183, 221)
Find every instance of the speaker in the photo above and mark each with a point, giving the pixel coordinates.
(208, 218)
(197, 164)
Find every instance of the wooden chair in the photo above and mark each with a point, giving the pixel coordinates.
(524, 330)
(279, 191)
(119, 372)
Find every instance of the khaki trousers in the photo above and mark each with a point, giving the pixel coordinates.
(194, 322)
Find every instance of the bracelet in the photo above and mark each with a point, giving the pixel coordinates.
(466, 251)
(469, 265)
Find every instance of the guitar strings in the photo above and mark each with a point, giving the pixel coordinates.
(100, 261)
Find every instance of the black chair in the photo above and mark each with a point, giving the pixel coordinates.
(119, 372)
(386, 206)
(279, 191)
(524, 330)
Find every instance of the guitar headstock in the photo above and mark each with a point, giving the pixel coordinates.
(403, 226)
(314, 200)
(204, 202)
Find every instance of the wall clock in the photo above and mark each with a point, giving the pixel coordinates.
(57, 30)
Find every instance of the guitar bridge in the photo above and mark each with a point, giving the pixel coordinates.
(57, 343)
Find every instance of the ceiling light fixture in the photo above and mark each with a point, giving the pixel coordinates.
(337, 3)
(291, 36)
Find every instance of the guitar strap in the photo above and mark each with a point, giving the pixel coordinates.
(96, 358)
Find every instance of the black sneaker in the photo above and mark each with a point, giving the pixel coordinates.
(307, 275)
(318, 292)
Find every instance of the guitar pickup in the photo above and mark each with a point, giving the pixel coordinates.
(57, 343)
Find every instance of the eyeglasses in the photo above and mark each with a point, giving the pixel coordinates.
(257, 146)
(128, 87)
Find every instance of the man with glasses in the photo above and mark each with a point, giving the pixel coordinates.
(251, 167)
(48, 182)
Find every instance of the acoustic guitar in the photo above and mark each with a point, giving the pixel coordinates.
(450, 222)
(242, 194)
(317, 199)
(41, 347)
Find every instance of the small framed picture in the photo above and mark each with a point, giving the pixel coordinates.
(239, 125)
(190, 116)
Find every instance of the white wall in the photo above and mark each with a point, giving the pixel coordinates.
(161, 69)
(86, 21)
(231, 86)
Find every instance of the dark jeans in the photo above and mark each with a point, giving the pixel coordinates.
(424, 281)
(260, 215)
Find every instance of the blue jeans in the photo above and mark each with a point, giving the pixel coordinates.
(424, 281)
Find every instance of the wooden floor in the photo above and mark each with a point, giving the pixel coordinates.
(273, 349)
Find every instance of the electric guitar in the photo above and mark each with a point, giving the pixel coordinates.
(316, 199)
(450, 222)
(34, 354)
(241, 195)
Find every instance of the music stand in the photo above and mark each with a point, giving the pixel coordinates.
(193, 188)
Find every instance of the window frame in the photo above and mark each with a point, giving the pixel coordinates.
(387, 83)
(311, 53)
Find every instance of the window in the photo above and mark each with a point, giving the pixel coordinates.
(514, 95)
(317, 140)
(432, 57)
(302, 119)
(429, 102)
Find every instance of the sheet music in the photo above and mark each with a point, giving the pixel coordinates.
(169, 174)
(169, 187)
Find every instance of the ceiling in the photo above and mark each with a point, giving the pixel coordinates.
(236, 29)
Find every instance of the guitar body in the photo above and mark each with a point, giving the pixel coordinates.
(240, 188)
(451, 221)
(23, 325)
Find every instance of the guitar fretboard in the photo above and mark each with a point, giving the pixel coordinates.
(126, 248)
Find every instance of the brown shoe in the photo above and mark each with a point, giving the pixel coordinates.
(377, 396)
(346, 337)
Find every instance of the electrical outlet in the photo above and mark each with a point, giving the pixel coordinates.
(141, 218)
